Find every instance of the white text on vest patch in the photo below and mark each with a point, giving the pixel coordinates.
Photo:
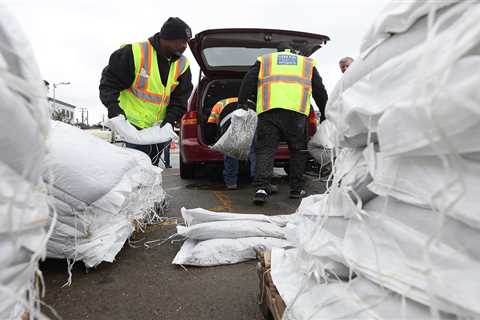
(286, 59)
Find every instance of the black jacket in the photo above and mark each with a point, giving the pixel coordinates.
(119, 75)
(248, 89)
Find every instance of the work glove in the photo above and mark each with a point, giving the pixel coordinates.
(164, 122)
(248, 105)
(114, 110)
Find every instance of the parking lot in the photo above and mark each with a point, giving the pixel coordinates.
(143, 284)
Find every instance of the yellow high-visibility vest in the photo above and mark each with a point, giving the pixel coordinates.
(218, 108)
(285, 81)
(145, 102)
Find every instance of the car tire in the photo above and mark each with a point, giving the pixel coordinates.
(187, 171)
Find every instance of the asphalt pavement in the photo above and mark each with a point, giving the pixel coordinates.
(143, 284)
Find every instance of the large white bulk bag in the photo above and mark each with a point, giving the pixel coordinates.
(23, 203)
(399, 17)
(404, 248)
(429, 182)
(99, 191)
(407, 79)
(308, 297)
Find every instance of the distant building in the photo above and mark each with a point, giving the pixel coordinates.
(61, 111)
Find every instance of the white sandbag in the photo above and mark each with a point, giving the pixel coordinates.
(23, 109)
(99, 195)
(199, 215)
(474, 156)
(325, 135)
(427, 182)
(337, 203)
(357, 110)
(398, 17)
(237, 139)
(392, 248)
(351, 177)
(322, 237)
(23, 203)
(128, 133)
(231, 230)
(424, 127)
(321, 144)
(392, 46)
(308, 297)
(23, 239)
(84, 166)
(101, 245)
(312, 205)
(223, 251)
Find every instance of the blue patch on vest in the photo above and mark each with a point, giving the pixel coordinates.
(286, 59)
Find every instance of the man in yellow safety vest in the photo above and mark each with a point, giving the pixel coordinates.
(150, 82)
(284, 83)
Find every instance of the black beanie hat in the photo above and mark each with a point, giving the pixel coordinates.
(175, 29)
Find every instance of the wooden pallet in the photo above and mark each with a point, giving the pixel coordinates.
(270, 302)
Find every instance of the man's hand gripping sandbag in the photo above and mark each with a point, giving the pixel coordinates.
(130, 134)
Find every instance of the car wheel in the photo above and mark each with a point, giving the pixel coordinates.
(187, 171)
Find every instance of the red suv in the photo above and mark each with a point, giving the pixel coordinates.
(224, 56)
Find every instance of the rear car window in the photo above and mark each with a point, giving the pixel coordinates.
(233, 56)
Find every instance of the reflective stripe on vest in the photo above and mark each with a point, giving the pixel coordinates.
(145, 102)
(287, 85)
(218, 108)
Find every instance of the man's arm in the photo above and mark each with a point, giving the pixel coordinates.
(319, 93)
(118, 75)
(179, 98)
(249, 84)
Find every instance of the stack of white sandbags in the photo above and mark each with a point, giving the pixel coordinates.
(216, 238)
(23, 200)
(406, 127)
(100, 191)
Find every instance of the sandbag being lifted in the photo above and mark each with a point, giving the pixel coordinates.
(130, 134)
(237, 140)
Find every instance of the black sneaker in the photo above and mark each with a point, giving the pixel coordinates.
(260, 197)
(297, 194)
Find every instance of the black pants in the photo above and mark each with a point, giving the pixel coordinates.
(166, 155)
(154, 151)
(272, 126)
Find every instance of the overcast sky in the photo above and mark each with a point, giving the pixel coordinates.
(73, 40)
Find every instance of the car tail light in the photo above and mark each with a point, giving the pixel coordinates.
(190, 118)
(312, 124)
(312, 120)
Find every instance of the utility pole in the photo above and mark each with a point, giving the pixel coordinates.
(84, 112)
(55, 85)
